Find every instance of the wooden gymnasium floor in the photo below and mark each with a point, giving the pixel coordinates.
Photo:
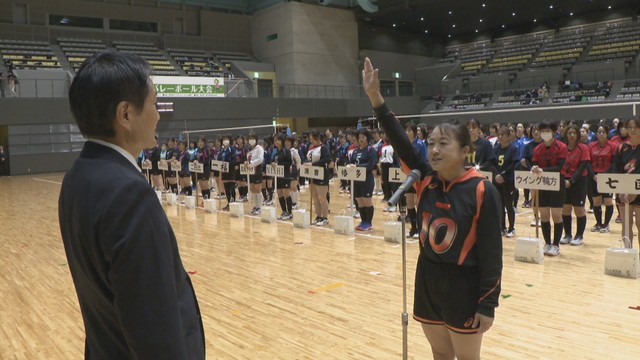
(275, 292)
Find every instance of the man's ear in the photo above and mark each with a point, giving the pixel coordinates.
(123, 111)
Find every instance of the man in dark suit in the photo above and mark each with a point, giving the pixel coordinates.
(136, 299)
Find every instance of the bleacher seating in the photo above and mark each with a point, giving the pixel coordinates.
(28, 55)
(630, 90)
(564, 51)
(469, 101)
(77, 50)
(573, 91)
(160, 64)
(520, 97)
(196, 63)
(513, 56)
(616, 43)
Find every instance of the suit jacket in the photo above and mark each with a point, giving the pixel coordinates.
(136, 299)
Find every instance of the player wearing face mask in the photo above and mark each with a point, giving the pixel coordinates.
(550, 155)
(228, 154)
(255, 158)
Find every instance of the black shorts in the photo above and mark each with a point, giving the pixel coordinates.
(446, 294)
(576, 194)
(184, 174)
(283, 183)
(216, 173)
(231, 175)
(257, 177)
(552, 199)
(363, 189)
(205, 175)
(155, 172)
(593, 189)
(295, 173)
(171, 174)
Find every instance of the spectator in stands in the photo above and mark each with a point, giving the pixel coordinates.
(4, 161)
(13, 82)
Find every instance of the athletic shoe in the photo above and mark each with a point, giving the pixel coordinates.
(364, 227)
(618, 220)
(416, 235)
(323, 222)
(546, 249)
(255, 211)
(341, 191)
(226, 208)
(356, 215)
(269, 202)
(295, 207)
(590, 211)
(316, 220)
(511, 233)
(554, 250)
(287, 216)
(384, 201)
(504, 232)
(578, 240)
(604, 229)
(534, 224)
(386, 209)
(565, 240)
(411, 233)
(596, 228)
(527, 204)
(392, 209)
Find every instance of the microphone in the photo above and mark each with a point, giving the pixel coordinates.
(412, 177)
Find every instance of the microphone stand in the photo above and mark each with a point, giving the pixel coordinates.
(412, 177)
(405, 315)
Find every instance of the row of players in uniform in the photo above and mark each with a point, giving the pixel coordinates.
(572, 151)
(507, 148)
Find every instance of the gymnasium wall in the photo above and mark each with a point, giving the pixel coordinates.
(315, 44)
(44, 138)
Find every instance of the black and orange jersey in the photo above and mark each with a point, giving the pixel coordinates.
(576, 164)
(457, 220)
(601, 156)
(550, 158)
(626, 159)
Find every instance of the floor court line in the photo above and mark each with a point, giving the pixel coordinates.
(47, 181)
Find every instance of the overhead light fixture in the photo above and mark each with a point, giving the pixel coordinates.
(609, 7)
(450, 12)
(480, 20)
(550, 6)
(571, 14)
(449, 35)
(426, 31)
(394, 25)
(476, 30)
(535, 20)
(513, 14)
(503, 26)
(421, 19)
(484, 5)
(454, 25)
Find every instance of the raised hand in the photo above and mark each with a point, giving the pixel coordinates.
(371, 83)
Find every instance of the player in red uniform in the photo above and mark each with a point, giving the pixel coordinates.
(575, 174)
(458, 274)
(550, 156)
(626, 161)
(601, 152)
